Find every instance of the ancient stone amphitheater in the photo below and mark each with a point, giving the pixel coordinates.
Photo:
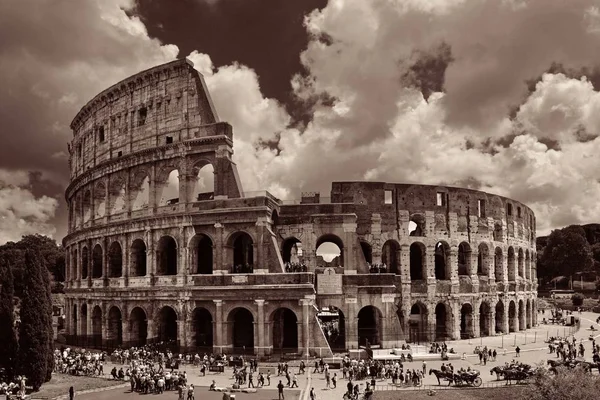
(165, 246)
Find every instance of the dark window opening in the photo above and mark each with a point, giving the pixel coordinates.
(519, 212)
(509, 209)
(120, 154)
(169, 139)
(142, 114)
(101, 134)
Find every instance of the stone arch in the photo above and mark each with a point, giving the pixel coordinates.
(115, 327)
(99, 200)
(138, 325)
(240, 329)
(483, 258)
(498, 265)
(416, 225)
(292, 251)
(417, 329)
(169, 191)
(203, 183)
(85, 262)
(527, 265)
(443, 267)
(500, 317)
(74, 264)
(97, 262)
(521, 315)
(330, 251)
(443, 322)
(513, 322)
(166, 325)
(241, 247)
(97, 326)
(202, 323)
(520, 263)
(511, 263)
(466, 321)
(485, 319)
(138, 258)
(86, 205)
(166, 256)
(417, 261)
(140, 193)
(118, 196)
(115, 260)
(464, 259)
(285, 329)
(201, 249)
(528, 314)
(367, 251)
(390, 256)
(369, 326)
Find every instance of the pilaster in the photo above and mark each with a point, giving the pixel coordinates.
(260, 343)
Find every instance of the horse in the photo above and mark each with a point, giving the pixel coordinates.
(515, 375)
(441, 375)
(498, 370)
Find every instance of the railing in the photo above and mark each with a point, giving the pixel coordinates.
(419, 286)
(465, 285)
(443, 287)
(292, 278)
(369, 279)
(138, 281)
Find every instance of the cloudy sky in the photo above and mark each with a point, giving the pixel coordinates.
(497, 95)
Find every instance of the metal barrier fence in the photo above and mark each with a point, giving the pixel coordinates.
(390, 387)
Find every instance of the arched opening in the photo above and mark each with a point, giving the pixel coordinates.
(240, 324)
(96, 327)
(498, 232)
(464, 259)
(485, 314)
(441, 323)
(511, 264)
(369, 326)
(87, 206)
(367, 252)
(203, 328)
(521, 316)
(85, 262)
(84, 327)
(466, 321)
(204, 184)
(527, 265)
(138, 258)
(115, 328)
(513, 323)
(498, 267)
(520, 263)
(292, 252)
(416, 225)
(167, 325)
(333, 324)
(533, 313)
(74, 321)
(167, 256)
(417, 331)
(170, 190)
(99, 201)
(528, 315)
(141, 197)
(417, 255)
(442, 261)
(390, 256)
(138, 323)
(202, 254)
(118, 197)
(329, 251)
(500, 317)
(483, 260)
(115, 260)
(97, 262)
(243, 253)
(285, 329)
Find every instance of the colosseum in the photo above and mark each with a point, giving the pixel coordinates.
(165, 246)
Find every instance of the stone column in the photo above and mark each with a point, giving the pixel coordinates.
(431, 323)
(150, 256)
(505, 321)
(219, 339)
(125, 327)
(305, 303)
(150, 329)
(456, 320)
(260, 327)
(89, 328)
(352, 327)
(492, 321)
(476, 332)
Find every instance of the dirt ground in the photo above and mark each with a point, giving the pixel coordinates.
(512, 393)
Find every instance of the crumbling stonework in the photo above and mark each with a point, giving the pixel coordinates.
(143, 265)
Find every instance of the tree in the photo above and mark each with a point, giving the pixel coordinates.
(8, 337)
(35, 322)
(577, 299)
(567, 252)
(566, 385)
(50, 331)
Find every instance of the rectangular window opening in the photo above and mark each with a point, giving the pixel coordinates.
(509, 209)
(481, 208)
(388, 197)
(142, 114)
(101, 134)
(519, 212)
(169, 139)
(442, 199)
(120, 154)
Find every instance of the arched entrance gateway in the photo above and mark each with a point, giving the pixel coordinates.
(521, 317)
(240, 330)
(138, 325)
(512, 317)
(167, 325)
(333, 324)
(441, 322)
(528, 314)
(166, 256)
(466, 321)
(500, 317)
(242, 256)
(202, 255)
(485, 319)
(285, 330)
(84, 319)
(202, 326)
(369, 326)
(97, 326)
(114, 333)
(417, 329)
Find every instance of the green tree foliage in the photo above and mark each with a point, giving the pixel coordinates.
(567, 252)
(8, 338)
(577, 299)
(567, 385)
(50, 332)
(35, 322)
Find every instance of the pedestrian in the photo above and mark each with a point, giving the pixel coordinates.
(313, 396)
(334, 380)
(71, 393)
(518, 351)
(424, 367)
(190, 392)
(280, 391)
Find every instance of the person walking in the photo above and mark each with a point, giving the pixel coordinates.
(71, 393)
(280, 391)
(518, 351)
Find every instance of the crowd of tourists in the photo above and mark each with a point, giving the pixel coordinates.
(79, 362)
(330, 329)
(15, 388)
(295, 267)
(243, 269)
(377, 268)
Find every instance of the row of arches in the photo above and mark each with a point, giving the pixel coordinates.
(101, 200)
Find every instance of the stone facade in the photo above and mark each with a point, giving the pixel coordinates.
(144, 266)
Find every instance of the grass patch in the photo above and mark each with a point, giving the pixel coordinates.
(513, 392)
(60, 383)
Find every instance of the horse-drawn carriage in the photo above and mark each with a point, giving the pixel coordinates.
(459, 378)
(517, 372)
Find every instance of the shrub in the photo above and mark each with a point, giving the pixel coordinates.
(566, 385)
(577, 299)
